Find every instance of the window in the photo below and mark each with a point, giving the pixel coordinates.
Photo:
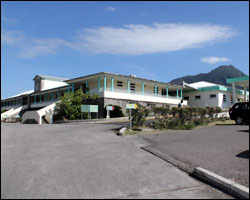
(186, 98)
(163, 92)
(224, 98)
(132, 86)
(245, 106)
(198, 97)
(232, 99)
(119, 84)
(212, 96)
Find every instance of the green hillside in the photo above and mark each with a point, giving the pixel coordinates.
(218, 76)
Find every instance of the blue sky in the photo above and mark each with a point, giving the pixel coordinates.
(154, 40)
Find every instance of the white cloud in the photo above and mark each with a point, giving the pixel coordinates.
(127, 40)
(32, 47)
(213, 60)
(9, 20)
(142, 39)
(112, 9)
(11, 37)
(36, 47)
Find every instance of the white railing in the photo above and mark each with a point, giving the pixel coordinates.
(140, 93)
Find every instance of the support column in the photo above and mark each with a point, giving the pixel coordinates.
(35, 99)
(166, 92)
(73, 87)
(142, 88)
(155, 90)
(99, 84)
(87, 83)
(245, 93)
(112, 84)
(181, 93)
(234, 96)
(87, 86)
(104, 83)
(68, 87)
(51, 96)
(40, 98)
(58, 93)
(128, 86)
(177, 93)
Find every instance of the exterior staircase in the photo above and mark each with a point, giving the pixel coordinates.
(13, 112)
(44, 115)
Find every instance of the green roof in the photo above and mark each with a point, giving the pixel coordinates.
(238, 79)
(217, 87)
(52, 78)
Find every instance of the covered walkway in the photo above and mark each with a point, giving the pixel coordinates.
(241, 81)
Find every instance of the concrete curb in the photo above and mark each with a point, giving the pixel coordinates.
(103, 120)
(121, 131)
(204, 175)
(229, 186)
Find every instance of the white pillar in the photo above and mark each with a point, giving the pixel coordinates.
(234, 97)
(245, 93)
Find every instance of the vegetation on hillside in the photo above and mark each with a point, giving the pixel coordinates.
(219, 76)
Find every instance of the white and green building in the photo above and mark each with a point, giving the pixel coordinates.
(203, 94)
(111, 88)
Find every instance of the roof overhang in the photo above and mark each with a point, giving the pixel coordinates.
(242, 81)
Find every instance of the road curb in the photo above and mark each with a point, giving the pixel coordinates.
(229, 186)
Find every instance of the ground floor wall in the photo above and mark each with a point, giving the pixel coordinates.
(103, 102)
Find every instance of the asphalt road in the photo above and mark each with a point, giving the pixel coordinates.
(87, 161)
(222, 149)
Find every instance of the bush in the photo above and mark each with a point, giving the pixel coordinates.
(161, 112)
(161, 124)
(69, 106)
(189, 125)
(139, 115)
(117, 112)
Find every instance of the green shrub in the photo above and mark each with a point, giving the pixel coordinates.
(69, 106)
(117, 112)
(161, 112)
(139, 115)
(161, 124)
(189, 125)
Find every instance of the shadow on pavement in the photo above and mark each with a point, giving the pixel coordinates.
(225, 124)
(244, 154)
(246, 131)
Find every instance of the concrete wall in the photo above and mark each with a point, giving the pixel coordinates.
(211, 102)
(31, 116)
(205, 99)
(48, 84)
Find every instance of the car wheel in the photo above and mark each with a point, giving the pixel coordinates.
(239, 120)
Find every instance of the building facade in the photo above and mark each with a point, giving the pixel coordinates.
(111, 89)
(205, 94)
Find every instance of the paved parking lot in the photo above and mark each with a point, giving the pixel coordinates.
(87, 161)
(222, 149)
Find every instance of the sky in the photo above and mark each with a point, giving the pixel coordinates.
(160, 40)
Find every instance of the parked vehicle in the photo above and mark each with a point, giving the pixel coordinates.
(240, 113)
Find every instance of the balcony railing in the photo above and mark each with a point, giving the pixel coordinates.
(133, 93)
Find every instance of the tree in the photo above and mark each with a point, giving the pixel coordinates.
(69, 105)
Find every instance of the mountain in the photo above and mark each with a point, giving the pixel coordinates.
(219, 76)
